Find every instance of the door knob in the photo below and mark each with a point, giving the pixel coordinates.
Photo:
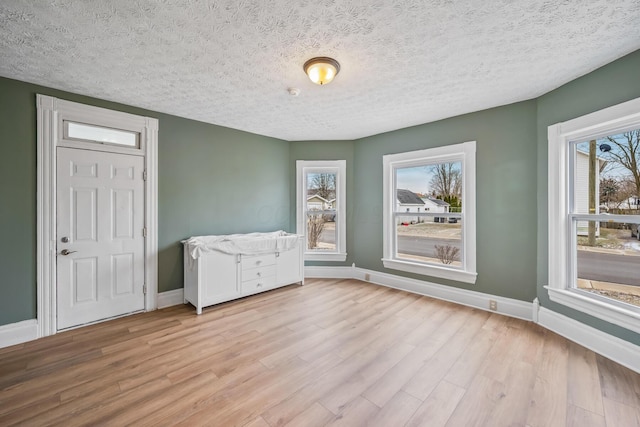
(66, 252)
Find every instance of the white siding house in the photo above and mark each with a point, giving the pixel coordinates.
(408, 201)
(317, 203)
(431, 204)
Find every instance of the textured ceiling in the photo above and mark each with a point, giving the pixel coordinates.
(230, 62)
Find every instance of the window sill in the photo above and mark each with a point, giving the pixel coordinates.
(311, 256)
(628, 319)
(431, 270)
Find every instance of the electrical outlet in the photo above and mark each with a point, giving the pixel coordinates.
(367, 277)
(493, 305)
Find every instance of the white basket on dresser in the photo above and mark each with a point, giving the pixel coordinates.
(223, 268)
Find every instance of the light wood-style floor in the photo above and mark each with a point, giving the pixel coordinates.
(332, 352)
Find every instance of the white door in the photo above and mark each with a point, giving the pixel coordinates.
(100, 242)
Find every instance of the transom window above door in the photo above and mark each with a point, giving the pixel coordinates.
(101, 135)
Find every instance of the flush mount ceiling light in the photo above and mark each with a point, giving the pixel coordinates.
(321, 70)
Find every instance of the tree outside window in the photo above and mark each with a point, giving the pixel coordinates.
(321, 210)
(429, 212)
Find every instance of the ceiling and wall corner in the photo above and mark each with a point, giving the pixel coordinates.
(230, 63)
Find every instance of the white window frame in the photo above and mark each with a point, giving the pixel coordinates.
(465, 153)
(609, 121)
(339, 167)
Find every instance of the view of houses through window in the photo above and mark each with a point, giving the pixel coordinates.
(428, 213)
(321, 208)
(605, 216)
(321, 211)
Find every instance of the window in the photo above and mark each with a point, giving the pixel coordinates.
(440, 240)
(102, 135)
(594, 182)
(321, 209)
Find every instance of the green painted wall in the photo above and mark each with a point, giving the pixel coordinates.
(212, 180)
(506, 188)
(326, 150)
(17, 203)
(215, 180)
(612, 84)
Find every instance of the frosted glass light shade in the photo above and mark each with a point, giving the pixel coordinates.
(321, 70)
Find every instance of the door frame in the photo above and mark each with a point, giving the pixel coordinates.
(51, 112)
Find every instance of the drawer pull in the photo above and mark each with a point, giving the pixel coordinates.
(259, 285)
(259, 274)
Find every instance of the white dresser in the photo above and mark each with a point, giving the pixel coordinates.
(214, 276)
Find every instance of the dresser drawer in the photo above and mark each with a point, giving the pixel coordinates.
(256, 261)
(258, 273)
(258, 285)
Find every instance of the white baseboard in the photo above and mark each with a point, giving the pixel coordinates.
(19, 332)
(171, 298)
(318, 272)
(616, 349)
(27, 330)
(507, 306)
